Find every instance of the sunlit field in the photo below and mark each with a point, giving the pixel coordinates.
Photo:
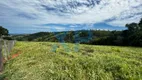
(55, 61)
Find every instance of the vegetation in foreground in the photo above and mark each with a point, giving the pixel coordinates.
(50, 61)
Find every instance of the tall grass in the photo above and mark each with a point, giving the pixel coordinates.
(38, 61)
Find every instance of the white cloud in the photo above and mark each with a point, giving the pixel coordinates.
(32, 12)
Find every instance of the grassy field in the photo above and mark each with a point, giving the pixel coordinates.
(53, 61)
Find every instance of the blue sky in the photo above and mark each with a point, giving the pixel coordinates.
(30, 16)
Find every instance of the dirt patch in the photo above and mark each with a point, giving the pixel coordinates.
(12, 56)
(16, 55)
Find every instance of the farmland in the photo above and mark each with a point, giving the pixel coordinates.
(66, 61)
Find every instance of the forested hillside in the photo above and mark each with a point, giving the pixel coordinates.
(130, 37)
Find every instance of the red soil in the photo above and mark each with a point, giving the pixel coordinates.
(12, 56)
(16, 55)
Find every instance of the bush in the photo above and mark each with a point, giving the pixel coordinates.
(8, 38)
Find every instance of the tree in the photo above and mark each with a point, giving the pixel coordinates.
(132, 27)
(134, 33)
(3, 31)
(140, 24)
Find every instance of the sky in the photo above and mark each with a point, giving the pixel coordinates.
(30, 16)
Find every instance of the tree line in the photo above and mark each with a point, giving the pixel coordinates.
(132, 36)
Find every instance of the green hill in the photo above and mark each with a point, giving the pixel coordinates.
(132, 36)
(53, 61)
